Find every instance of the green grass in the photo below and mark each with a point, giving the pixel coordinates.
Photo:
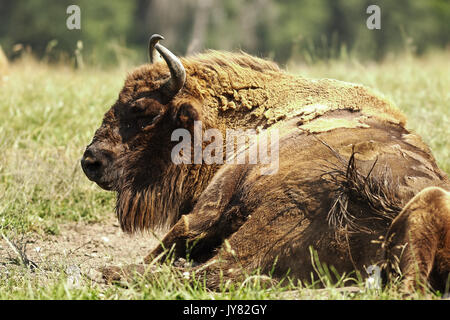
(49, 113)
(167, 283)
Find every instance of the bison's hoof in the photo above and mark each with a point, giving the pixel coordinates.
(121, 275)
(112, 274)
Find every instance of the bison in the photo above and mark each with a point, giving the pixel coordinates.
(354, 187)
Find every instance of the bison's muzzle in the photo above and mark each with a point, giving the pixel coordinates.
(95, 163)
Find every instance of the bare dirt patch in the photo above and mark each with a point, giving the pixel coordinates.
(80, 248)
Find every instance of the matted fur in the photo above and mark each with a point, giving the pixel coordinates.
(378, 191)
(243, 90)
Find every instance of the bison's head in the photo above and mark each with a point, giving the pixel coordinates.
(131, 151)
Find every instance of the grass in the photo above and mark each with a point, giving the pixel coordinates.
(49, 114)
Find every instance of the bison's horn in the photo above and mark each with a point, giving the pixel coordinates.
(152, 53)
(177, 72)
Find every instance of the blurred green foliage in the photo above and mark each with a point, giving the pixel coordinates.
(280, 29)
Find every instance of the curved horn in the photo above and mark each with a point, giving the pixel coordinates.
(152, 54)
(177, 73)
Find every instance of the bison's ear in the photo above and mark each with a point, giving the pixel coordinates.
(185, 113)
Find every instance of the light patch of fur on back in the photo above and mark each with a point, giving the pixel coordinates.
(323, 125)
(242, 90)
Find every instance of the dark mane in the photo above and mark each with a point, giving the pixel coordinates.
(161, 203)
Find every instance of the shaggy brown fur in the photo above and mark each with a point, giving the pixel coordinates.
(224, 90)
(347, 168)
(276, 219)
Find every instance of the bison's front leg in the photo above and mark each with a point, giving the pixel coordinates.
(418, 241)
(179, 237)
(213, 219)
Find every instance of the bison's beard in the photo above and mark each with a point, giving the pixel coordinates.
(160, 203)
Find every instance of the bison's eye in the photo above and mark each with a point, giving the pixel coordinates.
(138, 106)
(148, 122)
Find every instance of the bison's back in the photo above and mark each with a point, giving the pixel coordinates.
(238, 90)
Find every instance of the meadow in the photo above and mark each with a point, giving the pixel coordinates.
(49, 113)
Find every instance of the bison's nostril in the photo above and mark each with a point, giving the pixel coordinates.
(91, 166)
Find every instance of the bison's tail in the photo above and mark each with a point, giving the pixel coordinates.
(374, 189)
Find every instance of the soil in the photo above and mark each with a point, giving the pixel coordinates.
(80, 248)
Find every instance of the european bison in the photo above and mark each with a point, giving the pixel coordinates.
(353, 184)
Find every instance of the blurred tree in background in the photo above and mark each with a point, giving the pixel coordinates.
(279, 29)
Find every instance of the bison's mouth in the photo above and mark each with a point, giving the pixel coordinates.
(106, 185)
